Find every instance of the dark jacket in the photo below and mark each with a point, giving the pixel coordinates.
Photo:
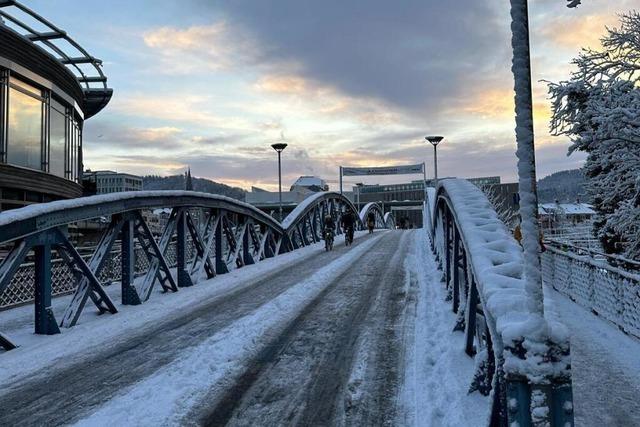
(347, 220)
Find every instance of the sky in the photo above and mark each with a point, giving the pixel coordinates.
(211, 84)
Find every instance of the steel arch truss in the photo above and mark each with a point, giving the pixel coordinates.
(382, 220)
(304, 225)
(207, 235)
(456, 249)
(211, 235)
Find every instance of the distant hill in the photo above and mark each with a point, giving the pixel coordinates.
(177, 182)
(564, 186)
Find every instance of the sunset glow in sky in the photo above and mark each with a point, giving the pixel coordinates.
(211, 85)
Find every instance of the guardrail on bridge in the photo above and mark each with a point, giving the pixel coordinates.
(523, 360)
(210, 235)
(609, 286)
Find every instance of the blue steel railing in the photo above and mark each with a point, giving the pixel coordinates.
(211, 234)
(526, 372)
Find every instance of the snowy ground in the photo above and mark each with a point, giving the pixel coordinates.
(438, 371)
(359, 336)
(605, 367)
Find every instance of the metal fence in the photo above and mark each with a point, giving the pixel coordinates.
(21, 289)
(588, 279)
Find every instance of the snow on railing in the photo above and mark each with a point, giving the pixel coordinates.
(390, 220)
(518, 353)
(376, 209)
(211, 235)
(611, 292)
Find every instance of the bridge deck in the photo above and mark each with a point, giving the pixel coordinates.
(305, 338)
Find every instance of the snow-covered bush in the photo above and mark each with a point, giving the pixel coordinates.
(598, 108)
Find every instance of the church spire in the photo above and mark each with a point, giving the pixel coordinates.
(188, 185)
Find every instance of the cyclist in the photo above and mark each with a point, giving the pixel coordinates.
(371, 221)
(329, 227)
(347, 221)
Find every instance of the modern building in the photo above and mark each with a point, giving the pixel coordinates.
(113, 182)
(49, 85)
(310, 183)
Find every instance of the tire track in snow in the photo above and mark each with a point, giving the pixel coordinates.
(302, 376)
(82, 387)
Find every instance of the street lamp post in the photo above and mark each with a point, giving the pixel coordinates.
(435, 140)
(279, 147)
(358, 186)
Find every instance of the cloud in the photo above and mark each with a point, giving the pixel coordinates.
(414, 55)
(201, 48)
(575, 32)
(346, 83)
(178, 108)
(282, 84)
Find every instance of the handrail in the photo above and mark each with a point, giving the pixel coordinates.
(311, 202)
(483, 268)
(19, 223)
(220, 233)
(613, 260)
(380, 216)
(608, 291)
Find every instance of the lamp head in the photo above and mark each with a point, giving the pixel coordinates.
(434, 140)
(279, 146)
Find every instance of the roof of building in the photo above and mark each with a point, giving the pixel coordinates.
(45, 40)
(109, 172)
(566, 208)
(308, 181)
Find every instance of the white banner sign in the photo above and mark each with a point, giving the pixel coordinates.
(384, 170)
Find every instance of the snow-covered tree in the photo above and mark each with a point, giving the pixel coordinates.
(506, 214)
(598, 108)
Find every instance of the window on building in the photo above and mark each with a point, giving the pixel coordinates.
(74, 144)
(24, 146)
(57, 139)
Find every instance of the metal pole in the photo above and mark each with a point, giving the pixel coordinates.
(340, 179)
(521, 69)
(424, 174)
(280, 185)
(435, 164)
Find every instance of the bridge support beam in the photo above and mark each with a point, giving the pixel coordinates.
(128, 264)
(221, 265)
(246, 246)
(456, 270)
(45, 321)
(184, 279)
(158, 267)
(472, 307)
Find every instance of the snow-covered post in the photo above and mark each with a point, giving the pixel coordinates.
(521, 68)
(549, 391)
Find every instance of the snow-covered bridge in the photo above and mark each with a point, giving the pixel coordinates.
(277, 331)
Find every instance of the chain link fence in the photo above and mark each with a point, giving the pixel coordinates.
(21, 289)
(609, 291)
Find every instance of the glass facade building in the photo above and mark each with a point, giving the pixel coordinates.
(40, 132)
(49, 85)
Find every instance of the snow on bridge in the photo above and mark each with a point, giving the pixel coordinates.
(361, 335)
(283, 334)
